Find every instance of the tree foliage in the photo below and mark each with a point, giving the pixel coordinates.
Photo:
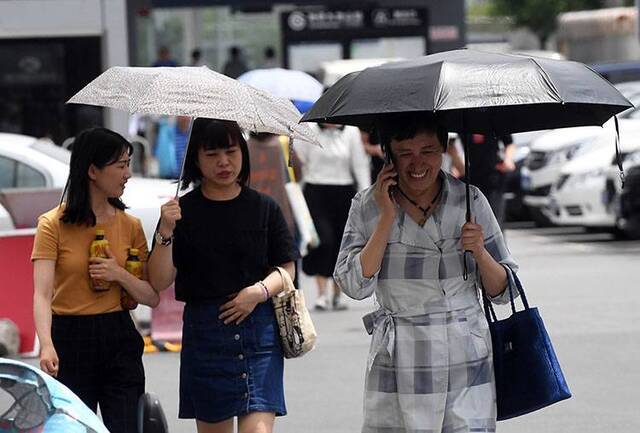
(539, 16)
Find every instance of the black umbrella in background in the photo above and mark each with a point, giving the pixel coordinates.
(474, 92)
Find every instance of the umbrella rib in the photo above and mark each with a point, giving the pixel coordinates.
(549, 80)
(146, 94)
(437, 96)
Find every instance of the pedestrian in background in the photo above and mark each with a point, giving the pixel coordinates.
(87, 341)
(491, 160)
(453, 161)
(180, 139)
(165, 58)
(374, 150)
(196, 57)
(165, 148)
(269, 171)
(235, 65)
(332, 175)
(220, 243)
(270, 60)
(430, 363)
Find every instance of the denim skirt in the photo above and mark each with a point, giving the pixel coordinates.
(230, 370)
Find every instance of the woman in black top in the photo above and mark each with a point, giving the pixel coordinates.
(219, 244)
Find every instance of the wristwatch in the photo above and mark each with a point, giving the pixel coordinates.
(162, 240)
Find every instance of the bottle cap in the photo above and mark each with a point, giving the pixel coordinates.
(99, 232)
(134, 251)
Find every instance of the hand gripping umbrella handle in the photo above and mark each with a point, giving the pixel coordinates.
(184, 158)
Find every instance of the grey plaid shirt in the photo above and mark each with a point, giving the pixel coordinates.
(430, 365)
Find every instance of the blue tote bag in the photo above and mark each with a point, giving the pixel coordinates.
(527, 371)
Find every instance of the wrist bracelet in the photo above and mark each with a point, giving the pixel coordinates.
(267, 295)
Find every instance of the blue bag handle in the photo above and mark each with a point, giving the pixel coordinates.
(488, 308)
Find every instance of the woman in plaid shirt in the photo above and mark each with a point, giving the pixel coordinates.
(430, 363)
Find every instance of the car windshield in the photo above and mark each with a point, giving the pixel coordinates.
(55, 152)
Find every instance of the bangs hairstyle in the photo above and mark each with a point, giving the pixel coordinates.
(99, 147)
(212, 134)
(404, 126)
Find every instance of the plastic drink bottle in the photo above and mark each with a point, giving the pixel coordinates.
(134, 267)
(98, 248)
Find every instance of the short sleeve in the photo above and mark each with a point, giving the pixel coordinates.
(281, 246)
(45, 243)
(140, 241)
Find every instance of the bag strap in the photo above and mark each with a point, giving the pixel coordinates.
(488, 307)
(287, 283)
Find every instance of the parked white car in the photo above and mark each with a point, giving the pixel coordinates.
(6, 223)
(549, 153)
(29, 164)
(624, 204)
(579, 197)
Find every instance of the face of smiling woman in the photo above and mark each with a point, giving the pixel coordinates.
(111, 179)
(417, 161)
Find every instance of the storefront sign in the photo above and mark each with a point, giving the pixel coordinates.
(355, 19)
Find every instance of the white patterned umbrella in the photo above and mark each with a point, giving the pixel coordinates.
(193, 92)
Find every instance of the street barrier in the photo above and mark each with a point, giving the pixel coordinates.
(16, 286)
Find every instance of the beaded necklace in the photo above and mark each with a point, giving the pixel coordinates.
(424, 210)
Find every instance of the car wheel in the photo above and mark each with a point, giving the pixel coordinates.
(630, 233)
(539, 218)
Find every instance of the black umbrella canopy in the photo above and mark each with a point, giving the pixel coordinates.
(474, 91)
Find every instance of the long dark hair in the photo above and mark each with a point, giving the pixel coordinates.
(211, 134)
(99, 147)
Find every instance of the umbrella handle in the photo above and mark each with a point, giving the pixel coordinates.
(184, 158)
(467, 170)
(618, 155)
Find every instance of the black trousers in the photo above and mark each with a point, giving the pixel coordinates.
(329, 207)
(101, 362)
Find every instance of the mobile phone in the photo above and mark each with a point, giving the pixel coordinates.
(388, 160)
(387, 155)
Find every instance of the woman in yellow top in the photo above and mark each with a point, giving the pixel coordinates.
(87, 340)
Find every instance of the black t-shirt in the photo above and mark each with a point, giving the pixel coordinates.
(485, 152)
(220, 247)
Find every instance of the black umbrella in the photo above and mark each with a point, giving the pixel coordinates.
(472, 91)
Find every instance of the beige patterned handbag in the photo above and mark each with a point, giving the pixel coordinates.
(297, 333)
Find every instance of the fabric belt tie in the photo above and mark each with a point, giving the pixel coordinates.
(381, 326)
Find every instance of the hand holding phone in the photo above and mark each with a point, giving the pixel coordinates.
(385, 182)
